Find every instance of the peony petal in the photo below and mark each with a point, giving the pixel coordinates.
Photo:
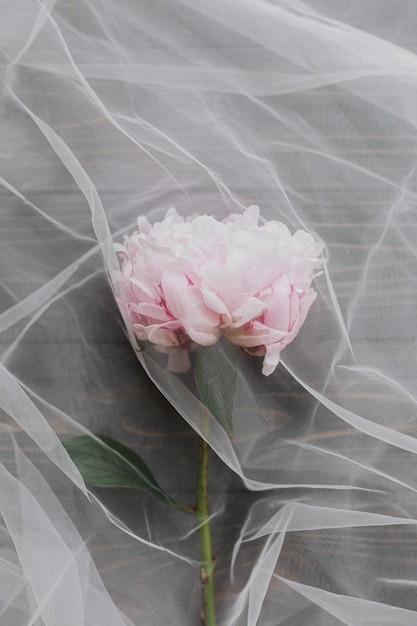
(140, 331)
(152, 311)
(303, 309)
(141, 291)
(277, 303)
(246, 313)
(144, 226)
(257, 335)
(186, 303)
(246, 221)
(214, 303)
(120, 248)
(271, 360)
(163, 336)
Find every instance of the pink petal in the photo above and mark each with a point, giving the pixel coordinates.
(213, 302)
(303, 309)
(277, 311)
(152, 311)
(257, 335)
(271, 359)
(246, 313)
(141, 291)
(163, 336)
(186, 303)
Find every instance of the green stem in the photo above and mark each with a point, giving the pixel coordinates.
(207, 564)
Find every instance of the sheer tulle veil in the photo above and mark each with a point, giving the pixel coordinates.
(111, 110)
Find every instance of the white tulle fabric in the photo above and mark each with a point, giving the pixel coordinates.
(110, 110)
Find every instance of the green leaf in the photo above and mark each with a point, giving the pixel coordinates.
(216, 377)
(104, 462)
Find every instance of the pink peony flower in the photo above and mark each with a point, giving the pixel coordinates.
(196, 279)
